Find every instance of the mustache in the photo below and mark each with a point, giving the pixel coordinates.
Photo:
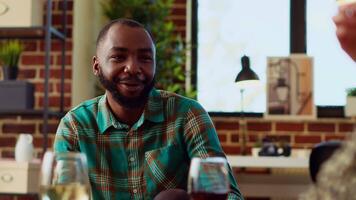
(129, 79)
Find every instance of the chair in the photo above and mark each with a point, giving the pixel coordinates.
(319, 154)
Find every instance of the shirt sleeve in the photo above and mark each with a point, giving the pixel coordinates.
(66, 138)
(202, 141)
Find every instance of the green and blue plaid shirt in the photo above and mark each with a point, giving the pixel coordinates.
(151, 156)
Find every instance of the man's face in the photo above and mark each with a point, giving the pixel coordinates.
(125, 64)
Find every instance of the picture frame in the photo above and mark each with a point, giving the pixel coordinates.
(290, 92)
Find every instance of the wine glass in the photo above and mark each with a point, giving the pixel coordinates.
(64, 176)
(208, 179)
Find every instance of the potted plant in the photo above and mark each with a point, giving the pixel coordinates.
(350, 107)
(256, 148)
(10, 52)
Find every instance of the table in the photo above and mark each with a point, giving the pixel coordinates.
(288, 178)
(268, 161)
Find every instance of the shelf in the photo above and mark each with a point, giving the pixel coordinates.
(46, 33)
(28, 32)
(268, 162)
(31, 112)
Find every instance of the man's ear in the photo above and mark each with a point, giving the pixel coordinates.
(96, 66)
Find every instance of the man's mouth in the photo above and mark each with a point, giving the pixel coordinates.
(131, 85)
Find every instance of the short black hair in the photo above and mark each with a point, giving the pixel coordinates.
(122, 21)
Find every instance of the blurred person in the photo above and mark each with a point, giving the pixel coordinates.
(138, 140)
(337, 176)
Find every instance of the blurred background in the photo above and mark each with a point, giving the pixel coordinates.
(200, 44)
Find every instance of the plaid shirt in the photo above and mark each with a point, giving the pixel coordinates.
(151, 156)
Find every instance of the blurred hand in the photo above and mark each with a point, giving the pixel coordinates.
(345, 21)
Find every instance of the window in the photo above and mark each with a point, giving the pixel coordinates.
(334, 71)
(227, 30)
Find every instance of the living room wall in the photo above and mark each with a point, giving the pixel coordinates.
(298, 133)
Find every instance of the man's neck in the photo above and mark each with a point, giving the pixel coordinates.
(125, 115)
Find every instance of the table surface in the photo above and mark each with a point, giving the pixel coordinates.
(268, 162)
(12, 164)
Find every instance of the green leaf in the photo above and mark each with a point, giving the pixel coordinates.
(351, 92)
(10, 52)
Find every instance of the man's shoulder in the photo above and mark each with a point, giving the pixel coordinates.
(178, 99)
(167, 95)
(86, 108)
(87, 105)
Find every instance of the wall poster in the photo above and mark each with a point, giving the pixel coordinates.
(290, 87)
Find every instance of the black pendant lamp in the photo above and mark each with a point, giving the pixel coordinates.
(246, 73)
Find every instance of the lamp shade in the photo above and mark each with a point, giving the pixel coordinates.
(246, 72)
(246, 77)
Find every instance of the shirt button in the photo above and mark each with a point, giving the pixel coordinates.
(134, 191)
(132, 158)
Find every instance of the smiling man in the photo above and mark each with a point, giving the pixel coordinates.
(138, 140)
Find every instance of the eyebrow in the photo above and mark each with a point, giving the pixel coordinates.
(122, 49)
(119, 49)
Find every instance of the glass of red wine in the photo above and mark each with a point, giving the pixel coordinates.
(208, 179)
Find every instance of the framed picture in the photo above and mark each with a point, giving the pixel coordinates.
(290, 87)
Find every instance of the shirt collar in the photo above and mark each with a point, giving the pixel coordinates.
(153, 112)
(104, 116)
(154, 107)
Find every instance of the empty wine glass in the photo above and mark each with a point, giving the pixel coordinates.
(208, 179)
(64, 176)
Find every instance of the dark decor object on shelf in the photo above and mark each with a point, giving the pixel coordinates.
(286, 150)
(10, 73)
(16, 95)
(268, 148)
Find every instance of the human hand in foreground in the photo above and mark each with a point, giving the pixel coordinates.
(345, 22)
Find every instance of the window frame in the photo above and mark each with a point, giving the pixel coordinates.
(298, 44)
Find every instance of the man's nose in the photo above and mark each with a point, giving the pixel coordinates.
(133, 66)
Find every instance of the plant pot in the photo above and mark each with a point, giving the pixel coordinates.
(350, 106)
(10, 73)
(255, 151)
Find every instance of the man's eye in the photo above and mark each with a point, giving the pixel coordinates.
(146, 58)
(118, 58)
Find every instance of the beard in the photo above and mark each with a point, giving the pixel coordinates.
(127, 102)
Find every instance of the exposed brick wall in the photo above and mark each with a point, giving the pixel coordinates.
(33, 59)
(298, 133)
(178, 16)
(32, 69)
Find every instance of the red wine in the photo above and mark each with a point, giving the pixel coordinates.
(208, 196)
